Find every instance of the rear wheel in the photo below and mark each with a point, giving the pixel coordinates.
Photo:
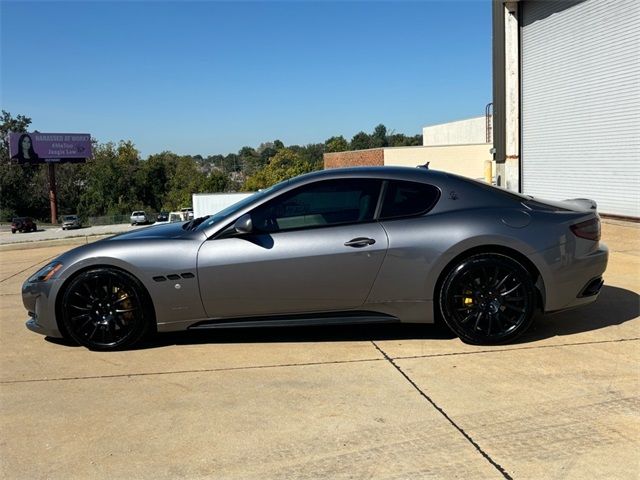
(105, 309)
(488, 299)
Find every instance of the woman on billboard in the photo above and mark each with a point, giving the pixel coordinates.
(26, 153)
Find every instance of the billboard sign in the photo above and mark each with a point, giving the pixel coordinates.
(34, 148)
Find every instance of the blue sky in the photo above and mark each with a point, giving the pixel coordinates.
(211, 77)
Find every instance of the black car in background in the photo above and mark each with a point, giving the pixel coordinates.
(23, 224)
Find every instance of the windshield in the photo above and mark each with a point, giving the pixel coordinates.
(69, 218)
(236, 207)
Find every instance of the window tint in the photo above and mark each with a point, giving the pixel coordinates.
(403, 199)
(330, 202)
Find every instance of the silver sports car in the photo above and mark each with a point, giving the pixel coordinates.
(383, 244)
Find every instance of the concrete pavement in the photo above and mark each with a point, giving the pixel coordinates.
(339, 402)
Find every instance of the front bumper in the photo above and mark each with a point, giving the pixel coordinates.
(38, 301)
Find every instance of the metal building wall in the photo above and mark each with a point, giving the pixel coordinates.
(580, 101)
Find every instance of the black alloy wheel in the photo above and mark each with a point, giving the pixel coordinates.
(105, 309)
(488, 299)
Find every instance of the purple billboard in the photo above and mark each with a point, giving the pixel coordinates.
(36, 147)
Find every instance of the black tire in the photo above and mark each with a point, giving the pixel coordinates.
(105, 309)
(488, 299)
(13, 230)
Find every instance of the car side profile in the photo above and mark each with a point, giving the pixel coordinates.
(23, 225)
(367, 244)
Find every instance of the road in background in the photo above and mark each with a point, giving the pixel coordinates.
(56, 233)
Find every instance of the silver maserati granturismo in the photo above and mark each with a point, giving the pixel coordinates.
(380, 244)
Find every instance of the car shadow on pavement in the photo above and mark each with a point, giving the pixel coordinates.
(328, 333)
(614, 306)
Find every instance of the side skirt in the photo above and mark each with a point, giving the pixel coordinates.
(335, 318)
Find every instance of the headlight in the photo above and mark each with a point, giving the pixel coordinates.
(45, 273)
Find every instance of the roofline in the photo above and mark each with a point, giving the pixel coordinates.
(453, 121)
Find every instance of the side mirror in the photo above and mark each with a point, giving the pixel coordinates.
(244, 224)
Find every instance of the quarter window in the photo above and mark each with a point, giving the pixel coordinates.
(325, 203)
(404, 199)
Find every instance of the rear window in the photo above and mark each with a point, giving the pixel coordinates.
(405, 199)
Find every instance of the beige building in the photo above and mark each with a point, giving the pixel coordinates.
(459, 147)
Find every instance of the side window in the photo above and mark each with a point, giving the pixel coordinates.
(324, 203)
(404, 199)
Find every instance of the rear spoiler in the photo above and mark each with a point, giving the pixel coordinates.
(582, 203)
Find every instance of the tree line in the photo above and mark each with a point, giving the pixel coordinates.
(117, 180)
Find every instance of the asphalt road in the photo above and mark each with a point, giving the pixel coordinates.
(56, 233)
(398, 402)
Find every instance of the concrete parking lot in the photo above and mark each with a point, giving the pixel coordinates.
(342, 402)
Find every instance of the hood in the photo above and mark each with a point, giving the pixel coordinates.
(166, 230)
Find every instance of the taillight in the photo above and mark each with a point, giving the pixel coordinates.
(589, 229)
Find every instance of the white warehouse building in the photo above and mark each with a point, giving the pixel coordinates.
(566, 98)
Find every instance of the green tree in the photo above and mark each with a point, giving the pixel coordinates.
(22, 187)
(287, 163)
(360, 141)
(336, 144)
(379, 137)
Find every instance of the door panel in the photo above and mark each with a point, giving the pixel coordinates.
(290, 272)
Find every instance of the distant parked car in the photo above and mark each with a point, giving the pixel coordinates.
(139, 218)
(70, 221)
(187, 213)
(176, 217)
(23, 224)
(162, 217)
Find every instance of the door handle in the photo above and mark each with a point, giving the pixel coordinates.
(359, 242)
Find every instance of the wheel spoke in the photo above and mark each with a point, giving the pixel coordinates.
(94, 332)
(78, 307)
(502, 281)
(78, 317)
(475, 327)
(509, 320)
(84, 325)
(121, 299)
(494, 279)
(511, 307)
(467, 318)
(513, 299)
(125, 310)
(513, 289)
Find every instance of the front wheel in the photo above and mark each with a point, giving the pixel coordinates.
(105, 309)
(488, 299)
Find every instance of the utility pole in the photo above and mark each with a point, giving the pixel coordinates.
(53, 194)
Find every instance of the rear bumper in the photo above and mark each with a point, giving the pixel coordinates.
(576, 281)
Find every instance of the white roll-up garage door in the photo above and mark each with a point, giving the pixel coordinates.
(580, 111)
